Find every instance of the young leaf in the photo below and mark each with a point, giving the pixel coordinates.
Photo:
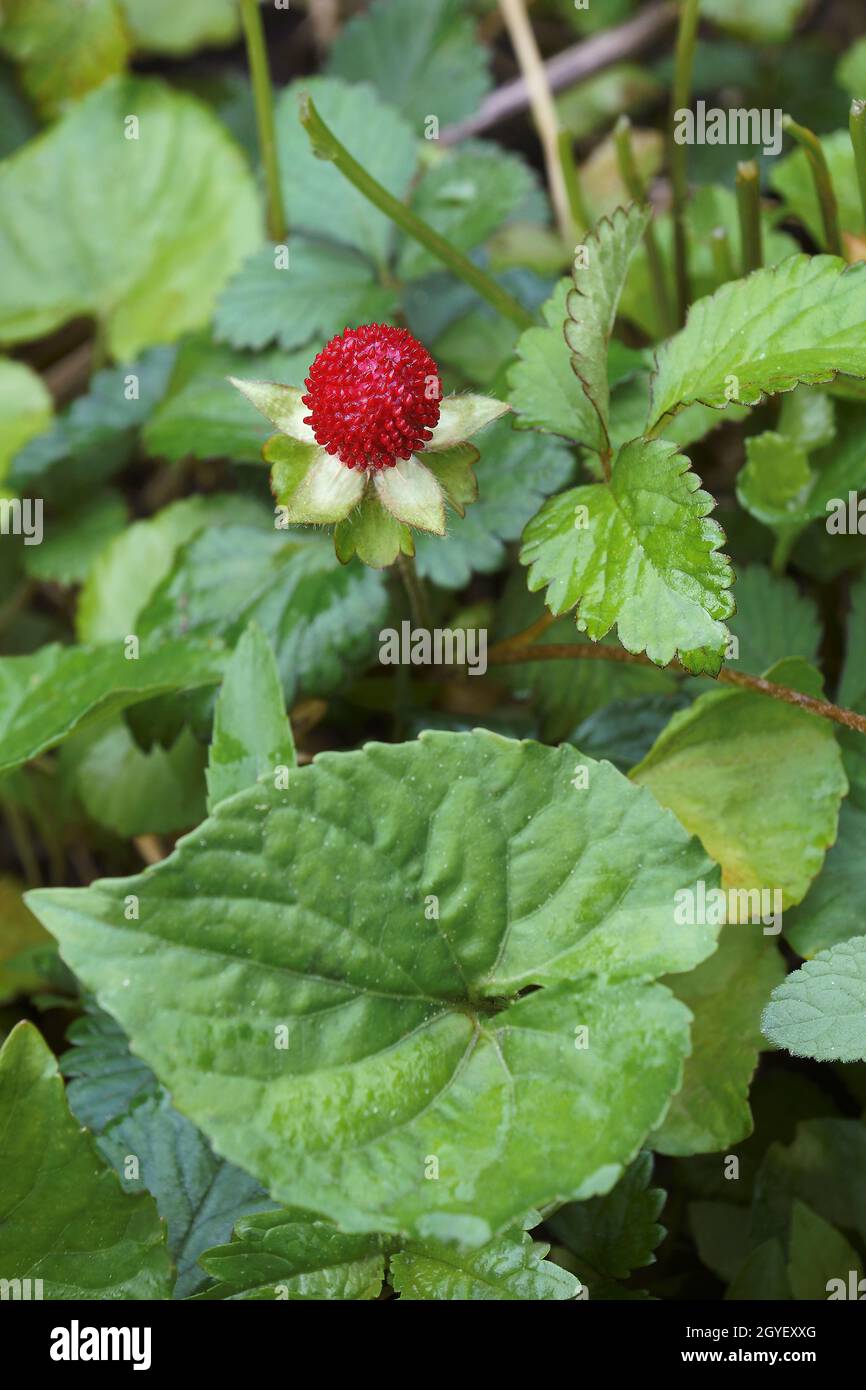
(800, 321)
(614, 1234)
(147, 262)
(510, 1268)
(252, 736)
(725, 767)
(45, 696)
(320, 1004)
(591, 308)
(65, 1219)
(725, 993)
(820, 1010)
(323, 289)
(639, 553)
(288, 1254)
(422, 60)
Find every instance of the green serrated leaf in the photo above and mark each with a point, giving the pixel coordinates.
(105, 1078)
(72, 543)
(66, 1221)
(252, 736)
(639, 553)
(148, 249)
(798, 322)
(725, 993)
(773, 621)
(725, 767)
(820, 1010)
(514, 1112)
(422, 60)
(511, 1268)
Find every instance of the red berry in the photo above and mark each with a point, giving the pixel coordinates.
(373, 395)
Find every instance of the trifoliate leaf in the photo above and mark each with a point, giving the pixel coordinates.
(45, 696)
(617, 1233)
(288, 1254)
(639, 553)
(725, 993)
(318, 1001)
(323, 289)
(515, 472)
(319, 200)
(66, 1220)
(423, 61)
(465, 196)
(322, 618)
(252, 736)
(820, 1010)
(130, 568)
(599, 272)
(25, 409)
(204, 416)
(198, 1194)
(147, 248)
(511, 1268)
(64, 47)
(800, 321)
(728, 764)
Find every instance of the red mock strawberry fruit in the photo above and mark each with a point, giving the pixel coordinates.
(373, 395)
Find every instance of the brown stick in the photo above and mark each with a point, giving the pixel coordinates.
(509, 653)
(583, 60)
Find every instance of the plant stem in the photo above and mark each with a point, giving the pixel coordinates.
(417, 594)
(680, 99)
(257, 55)
(637, 190)
(723, 261)
(822, 180)
(749, 209)
(857, 127)
(509, 653)
(542, 107)
(326, 145)
(581, 220)
(20, 836)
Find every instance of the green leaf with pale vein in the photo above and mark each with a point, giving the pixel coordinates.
(592, 306)
(248, 928)
(725, 994)
(148, 246)
(465, 196)
(758, 780)
(324, 289)
(288, 1255)
(423, 59)
(513, 1267)
(617, 1233)
(319, 200)
(642, 557)
(820, 1010)
(321, 618)
(252, 736)
(44, 697)
(64, 1215)
(800, 321)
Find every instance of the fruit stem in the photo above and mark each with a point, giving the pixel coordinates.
(257, 55)
(326, 146)
(636, 189)
(681, 95)
(822, 180)
(749, 210)
(723, 261)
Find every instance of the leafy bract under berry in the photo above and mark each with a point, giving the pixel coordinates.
(463, 974)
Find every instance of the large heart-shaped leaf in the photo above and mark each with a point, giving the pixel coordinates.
(640, 553)
(64, 1217)
(337, 998)
(803, 320)
(145, 247)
